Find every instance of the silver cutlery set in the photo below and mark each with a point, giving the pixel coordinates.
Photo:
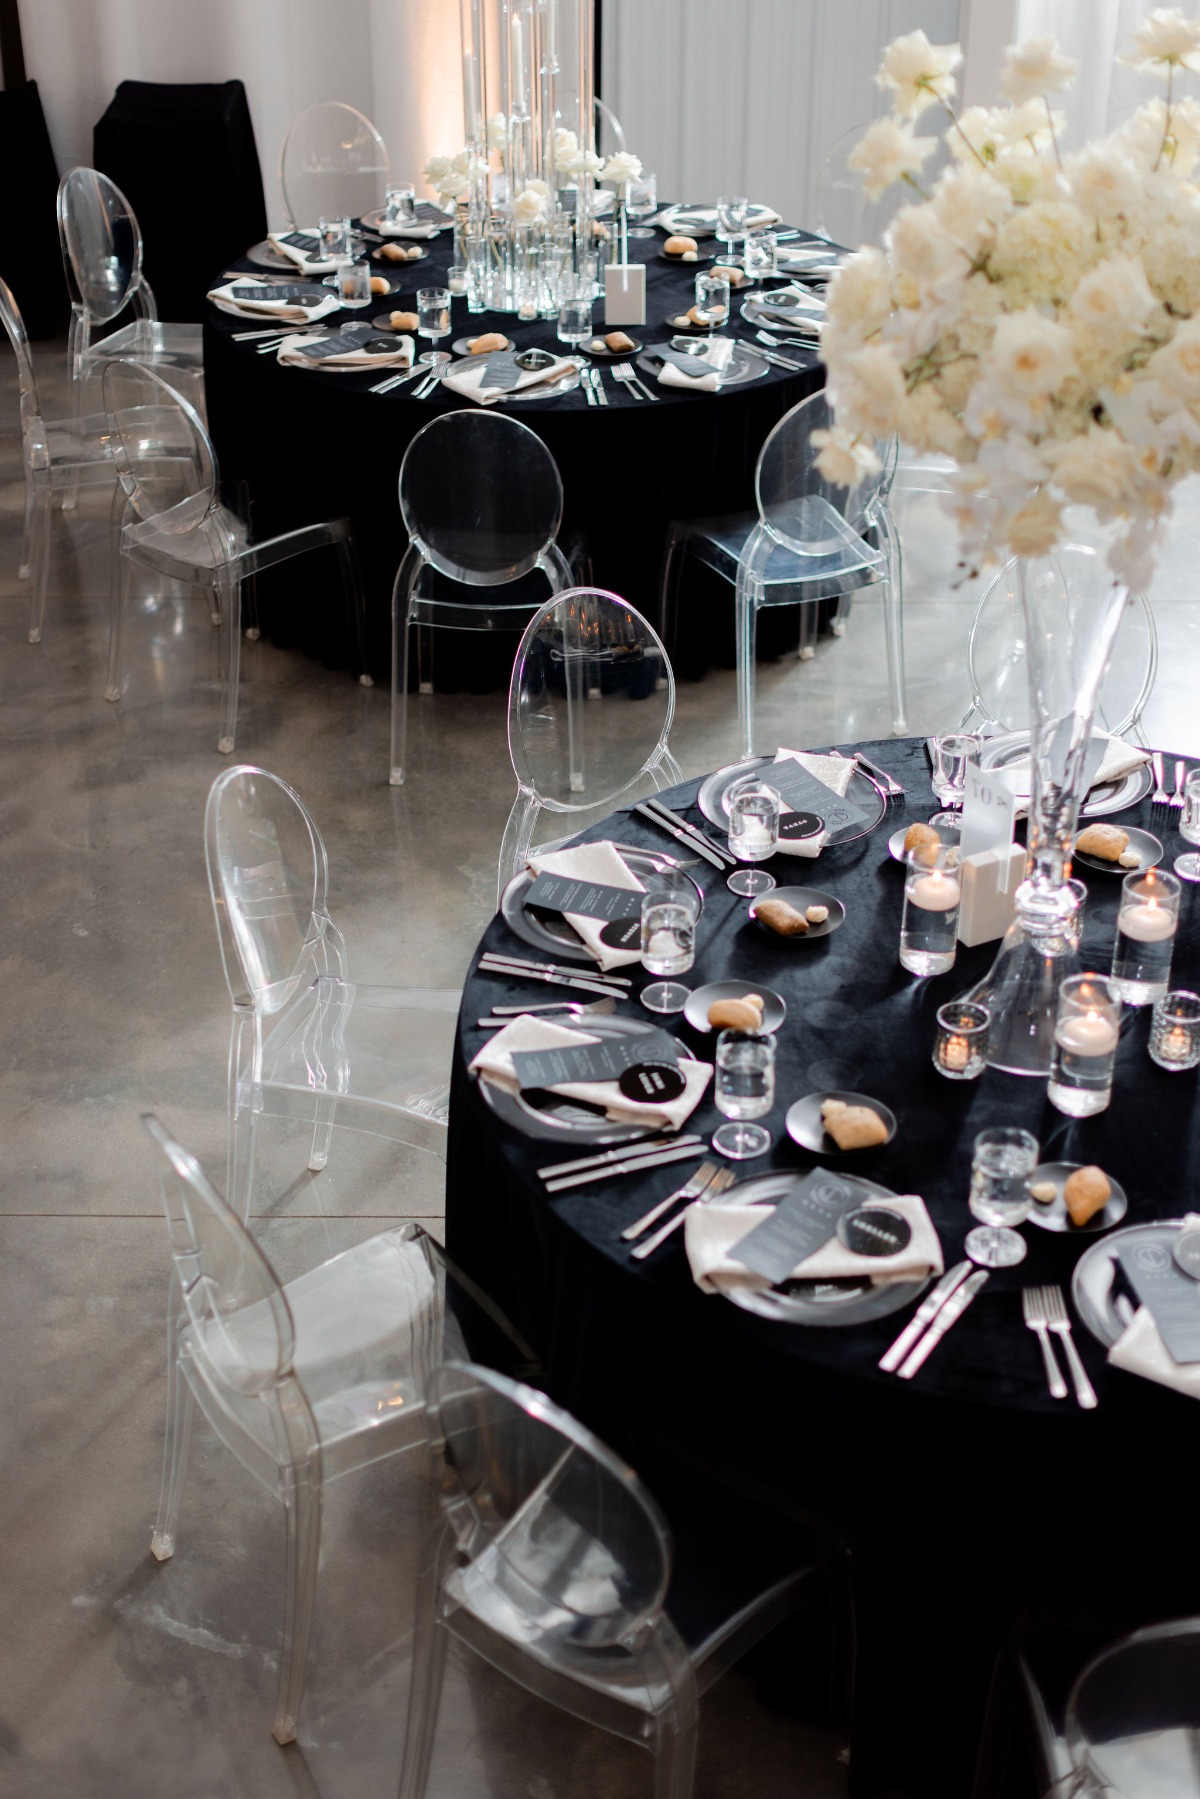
(1160, 796)
(655, 813)
(1045, 1313)
(932, 1319)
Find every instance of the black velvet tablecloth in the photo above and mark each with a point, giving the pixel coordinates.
(319, 445)
(970, 1496)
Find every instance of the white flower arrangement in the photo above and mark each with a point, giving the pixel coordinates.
(1036, 316)
(451, 176)
(621, 168)
(532, 203)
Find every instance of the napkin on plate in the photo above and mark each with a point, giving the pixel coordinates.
(291, 352)
(1140, 1348)
(598, 862)
(466, 378)
(836, 772)
(1120, 759)
(386, 230)
(712, 1232)
(716, 355)
(286, 311)
(494, 1063)
(307, 265)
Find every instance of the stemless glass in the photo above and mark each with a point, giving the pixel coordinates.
(929, 921)
(433, 314)
(712, 298)
(1001, 1166)
(574, 321)
(732, 213)
(754, 810)
(400, 204)
(335, 239)
(669, 919)
(1187, 866)
(353, 283)
(744, 1089)
(641, 199)
(951, 753)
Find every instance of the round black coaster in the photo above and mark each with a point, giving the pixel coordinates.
(651, 1082)
(793, 826)
(874, 1231)
(622, 933)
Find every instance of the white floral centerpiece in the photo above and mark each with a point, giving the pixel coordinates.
(1036, 315)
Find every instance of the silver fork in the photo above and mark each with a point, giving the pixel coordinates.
(1160, 796)
(621, 374)
(624, 372)
(777, 343)
(1180, 776)
(692, 1189)
(1060, 1324)
(385, 387)
(722, 1179)
(1033, 1308)
(891, 786)
(427, 386)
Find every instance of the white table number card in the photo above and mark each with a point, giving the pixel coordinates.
(989, 806)
(992, 864)
(625, 293)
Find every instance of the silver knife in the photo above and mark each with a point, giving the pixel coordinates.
(953, 1309)
(932, 1303)
(701, 849)
(550, 980)
(699, 838)
(633, 1166)
(645, 1147)
(598, 384)
(592, 974)
(780, 362)
(589, 392)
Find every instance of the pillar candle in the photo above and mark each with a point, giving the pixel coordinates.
(1147, 922)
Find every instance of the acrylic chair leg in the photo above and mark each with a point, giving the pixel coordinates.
(808, 631)
(40, 561)
(181, 1411)
(243, 1130)
(231, 661)
(322, 1133)
(356, 618)
(425, 1683)
(893, 623)
(400, 630)
(747, 631)
(26, 563)
(675, 1763)
(668, 592)
(122, 576)
(424, 659)
(303, 1512)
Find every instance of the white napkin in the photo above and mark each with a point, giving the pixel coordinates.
(1120, 759)
(836, 772)
(1140, 1348)
(302, 262)
(286, 311)
(465, 378)
(386, 230)
(717, 354)
(712, 1233)
(494, 1063)
(401, 358)
(598, 862)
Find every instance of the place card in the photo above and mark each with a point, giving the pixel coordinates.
(989, 806)
(605, 1060)
(625, 293)
(358, 337)
(805, 1218)
(283, 290)
(695, 367)
(584, 899)
(1169, 1295)
(500, 370)
(804, 792)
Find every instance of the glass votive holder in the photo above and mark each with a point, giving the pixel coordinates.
(353, 283)
(456, 278)
(929, 922)
(759, 258)
(1175, 1030)
(712, 299)
(1146, 922)
(951, 753)
(335, 239)
(400, 204)
(1087, 1031)
(960, 1047)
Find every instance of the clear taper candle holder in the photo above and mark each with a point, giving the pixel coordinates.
(1175, 1031)
(960, 1047)
(1087, 1032)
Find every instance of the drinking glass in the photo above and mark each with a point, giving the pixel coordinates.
(1086, 1034)
(1001, 1166)
(732, 213)
(754, 810)
(951, 753)
(669, 919)
(744, 1089)
(400, 204)
(433, 314)
(1146, 922)
(960, 1047)
(929, 921)
(574, 321)
(712, 298)
(456, 279)
(1188, 866)
(1175, 1030)
(758, 258)
(353, 283)
(641, 199)
(335, 239)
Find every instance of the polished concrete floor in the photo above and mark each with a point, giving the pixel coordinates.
(119, 1678)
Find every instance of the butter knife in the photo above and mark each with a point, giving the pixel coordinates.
(710, 855)
(924, 1314)
(953, 1310)
(496, 956)
(646, 1147)
(698, 837)
(631, 1165)
(549, 980)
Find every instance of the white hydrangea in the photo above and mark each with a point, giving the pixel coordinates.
(1166, 40)
(917, 73)
(887, 152)
(1034, 68)
(844, 458)
(871, 390)
(530, 204)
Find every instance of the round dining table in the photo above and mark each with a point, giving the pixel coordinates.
(310, 444)
(973, 1502)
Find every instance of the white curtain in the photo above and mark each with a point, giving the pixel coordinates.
(1096, 33)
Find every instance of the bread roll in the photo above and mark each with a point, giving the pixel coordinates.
(918, 834)
(394, 252)
(781, 918)
(403, 321)
(735, 277)
(1108, 842)
(491, 340)
(619, 340)
(681, 319)
(745, 1014)
(852, 1127)
(1086, 1192)
(675, 246)
(380, 285)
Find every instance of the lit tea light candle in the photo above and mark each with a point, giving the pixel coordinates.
(1147, 922)
(1090, 1035)
(1176, 1045)
(935, 892)
(526, 310)
(457, 282)
(956, 1053)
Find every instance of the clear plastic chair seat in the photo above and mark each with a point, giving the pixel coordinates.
(168, 346)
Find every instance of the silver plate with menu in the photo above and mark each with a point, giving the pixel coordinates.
(823, 1303)
(550, 930)
(742, 366)
(558, 1118)
(711, 797)
(1105, 1313)
(1106, 797)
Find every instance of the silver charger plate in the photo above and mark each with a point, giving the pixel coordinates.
(698, 1001)
(800, 899)
(548, 390)
(803, 1123)
(427, 214)
(683, 220)
(742, 366)
(757, 311)
(1054, 1216)
(462, 345)
(828, 1304)
(1109, 796)
(559, 1118)
(549, 930)
(1092, 1282)
(1149, 850)
(264, 255)
(711, 797)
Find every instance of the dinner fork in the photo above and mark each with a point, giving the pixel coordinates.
(699, 1182)
(426, 388)
(1180, 777)
(624, 372)
(1034, 1311)
(776, 342)
(1160, 796)
(1060, 1324)
(722, 1179)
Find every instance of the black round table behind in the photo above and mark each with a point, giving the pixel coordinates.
(970, 1496)
(314, 445)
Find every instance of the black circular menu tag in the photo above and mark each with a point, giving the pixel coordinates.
(874, 1231)
(1187, 1252)
(651, 1081)
(796, 825)
(622, 933)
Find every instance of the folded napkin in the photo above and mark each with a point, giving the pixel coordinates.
(598, 862)
(307, 265)
(1140, 1348)
(1120, 759)
(287, 311)
(418, 230)
(466, 377)
(713, 1232)
(716, 355)
(836, 772)
(291, 351)
(494, 1063)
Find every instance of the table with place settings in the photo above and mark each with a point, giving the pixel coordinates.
(970, 1497)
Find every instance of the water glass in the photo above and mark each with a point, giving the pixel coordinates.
(1146, 922)
(335, 239)
(744, 1089)
(433, 315)
(641, 199)
(951, 753)
(1175, 1030)
(712, 298)
(929, 921)
(732, 212)
(400, 204)
(1188, 866)
(759, 257)
(353, 283)
(754, 810)
(960, 1047)
(669, 919)
(1087, 1031)
(1002, 1163)
(575, 321)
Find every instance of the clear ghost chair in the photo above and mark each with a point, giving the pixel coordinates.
(844, 213)
(590, 707)
(102, 254)
(306, 1042)
(332, 164)
(996, 660)
(556, 1566)
(809, 540)
(610, 134)
(481, 500)
(1133, 1717)
(179, 528)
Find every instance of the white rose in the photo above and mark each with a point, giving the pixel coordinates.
(918, 72)
(437, 168)
(970, 204)
(860, 296)
(529, 206)
(535, 186)
(1097, 470)
(1165, 40)
(497, 132)
(1034, 68)
(1030, 356)
(621, 168)
(1104, 182)
(580, 163)
(886, 152)
(844, 459)
(1177, 364)
(566, 145)
(871, 390)
(1113, 299)
(920, 245)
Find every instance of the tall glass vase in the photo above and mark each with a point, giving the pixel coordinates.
(1070, 607)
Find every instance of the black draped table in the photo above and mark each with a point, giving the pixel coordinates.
(971, 1499)
(313, 445)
